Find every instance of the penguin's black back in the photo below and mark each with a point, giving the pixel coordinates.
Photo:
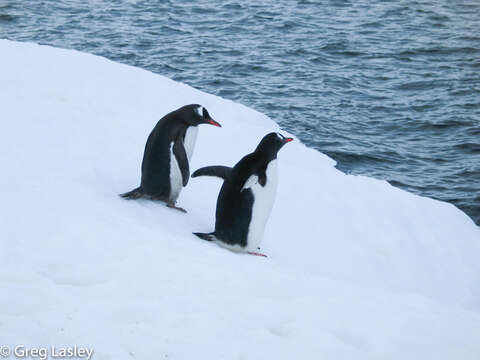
(156, 158)
(234, 206)
(236, 202)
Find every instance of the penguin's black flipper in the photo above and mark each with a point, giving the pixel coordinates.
(208, 237)
(181, 156)
(220, 171)
(132, 195)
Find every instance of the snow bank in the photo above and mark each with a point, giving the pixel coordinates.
(357, 269)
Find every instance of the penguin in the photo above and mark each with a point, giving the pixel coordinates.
(246, 197)
(165, 165)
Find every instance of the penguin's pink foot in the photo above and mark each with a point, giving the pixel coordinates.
(172, 206)
(256, 253)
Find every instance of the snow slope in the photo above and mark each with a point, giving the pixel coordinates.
(357, 269)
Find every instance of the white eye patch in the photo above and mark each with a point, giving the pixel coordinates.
(199, 110)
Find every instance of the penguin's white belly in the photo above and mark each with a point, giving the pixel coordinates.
(264, 197)
(190, 140)
(176, 182)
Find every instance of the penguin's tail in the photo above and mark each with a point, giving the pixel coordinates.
(132, 195)
(204, 236)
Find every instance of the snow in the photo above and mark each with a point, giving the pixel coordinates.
(357, 269)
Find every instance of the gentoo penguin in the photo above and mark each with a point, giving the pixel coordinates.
(246, 197)
(165, 167)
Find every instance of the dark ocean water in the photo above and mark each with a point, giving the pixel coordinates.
(389, 89)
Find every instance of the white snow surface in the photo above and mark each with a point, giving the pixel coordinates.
(357, 269)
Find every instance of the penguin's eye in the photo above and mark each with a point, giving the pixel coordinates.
(280, 136)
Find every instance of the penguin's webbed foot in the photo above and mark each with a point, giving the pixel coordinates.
(132, 195)
(256, 253)
(172, 206)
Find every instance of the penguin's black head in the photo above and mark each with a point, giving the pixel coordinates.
(272, 143)
(199, 115)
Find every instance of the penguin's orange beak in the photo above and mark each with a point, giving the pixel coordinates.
(213, 122)
(288, 139)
